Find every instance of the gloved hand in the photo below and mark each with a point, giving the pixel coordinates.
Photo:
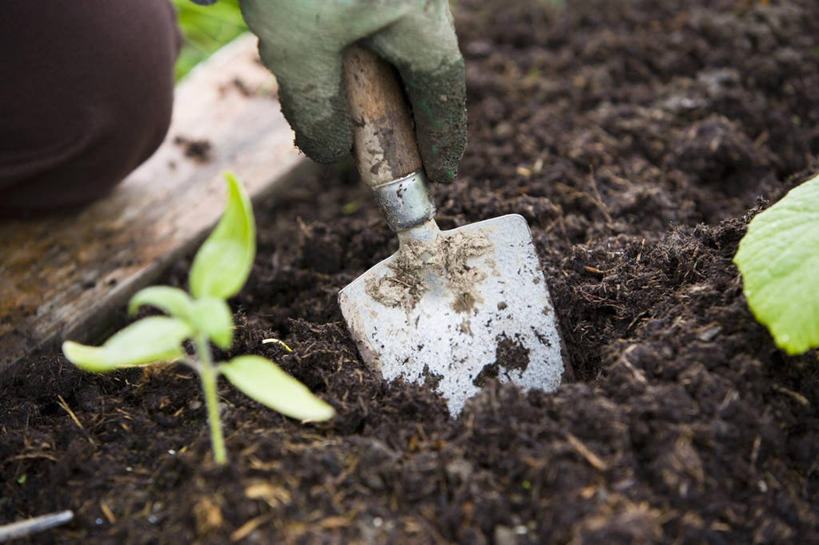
(301, 42)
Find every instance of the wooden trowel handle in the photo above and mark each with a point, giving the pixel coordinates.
(383, 134)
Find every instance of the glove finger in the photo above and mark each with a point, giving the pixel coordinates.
(313, 102)
(425, 52)
(439, 109)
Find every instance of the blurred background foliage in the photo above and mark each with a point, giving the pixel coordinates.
(206, 29)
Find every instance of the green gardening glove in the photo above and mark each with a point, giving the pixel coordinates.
(301, 41)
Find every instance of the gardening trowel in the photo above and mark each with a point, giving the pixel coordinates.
(453, 308)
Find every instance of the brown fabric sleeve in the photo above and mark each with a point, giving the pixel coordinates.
(86, 92)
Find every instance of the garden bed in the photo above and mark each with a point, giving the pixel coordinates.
(637, 138)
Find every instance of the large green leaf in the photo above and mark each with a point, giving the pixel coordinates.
(779, 262)
(174, 301)
(264, 381)
(149, 340)
(213, 317)
(223, 263)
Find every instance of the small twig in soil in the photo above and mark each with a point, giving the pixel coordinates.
(595, 270)
(62, 403)
(249, 527)
(584, 451)
(34, 455)
(755, 450)
(640, 254)
(34, 525)
(277, 341)
(636, 319)
(638, 374)
(598, 200)
(106, 510)
(802, 400)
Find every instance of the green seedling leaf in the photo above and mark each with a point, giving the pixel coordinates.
(213, 317)
(264, 381)
(223, 263)
(149, 340)
(209, 315)
(173, 301)
(779, 262)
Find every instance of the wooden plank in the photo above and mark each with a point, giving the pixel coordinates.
(61, 276)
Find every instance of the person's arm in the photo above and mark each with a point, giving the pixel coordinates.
(301, 42)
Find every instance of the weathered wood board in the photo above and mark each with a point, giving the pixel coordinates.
(61, 276)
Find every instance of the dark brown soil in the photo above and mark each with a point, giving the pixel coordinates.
(637, 138)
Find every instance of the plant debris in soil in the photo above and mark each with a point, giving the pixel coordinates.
(637, 138)
(197, 149)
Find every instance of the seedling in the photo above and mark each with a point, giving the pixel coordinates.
(219, 271)
(779, 259)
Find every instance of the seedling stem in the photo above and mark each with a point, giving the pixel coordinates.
(209, 377)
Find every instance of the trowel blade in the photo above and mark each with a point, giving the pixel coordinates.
(457, 320)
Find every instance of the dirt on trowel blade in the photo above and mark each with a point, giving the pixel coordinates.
(446, 257)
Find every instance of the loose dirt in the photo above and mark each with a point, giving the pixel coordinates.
(445, 258)
(637, 138)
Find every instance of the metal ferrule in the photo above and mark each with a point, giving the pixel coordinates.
(405, 201)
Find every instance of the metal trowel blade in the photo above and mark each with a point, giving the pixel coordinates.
(470, 305)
